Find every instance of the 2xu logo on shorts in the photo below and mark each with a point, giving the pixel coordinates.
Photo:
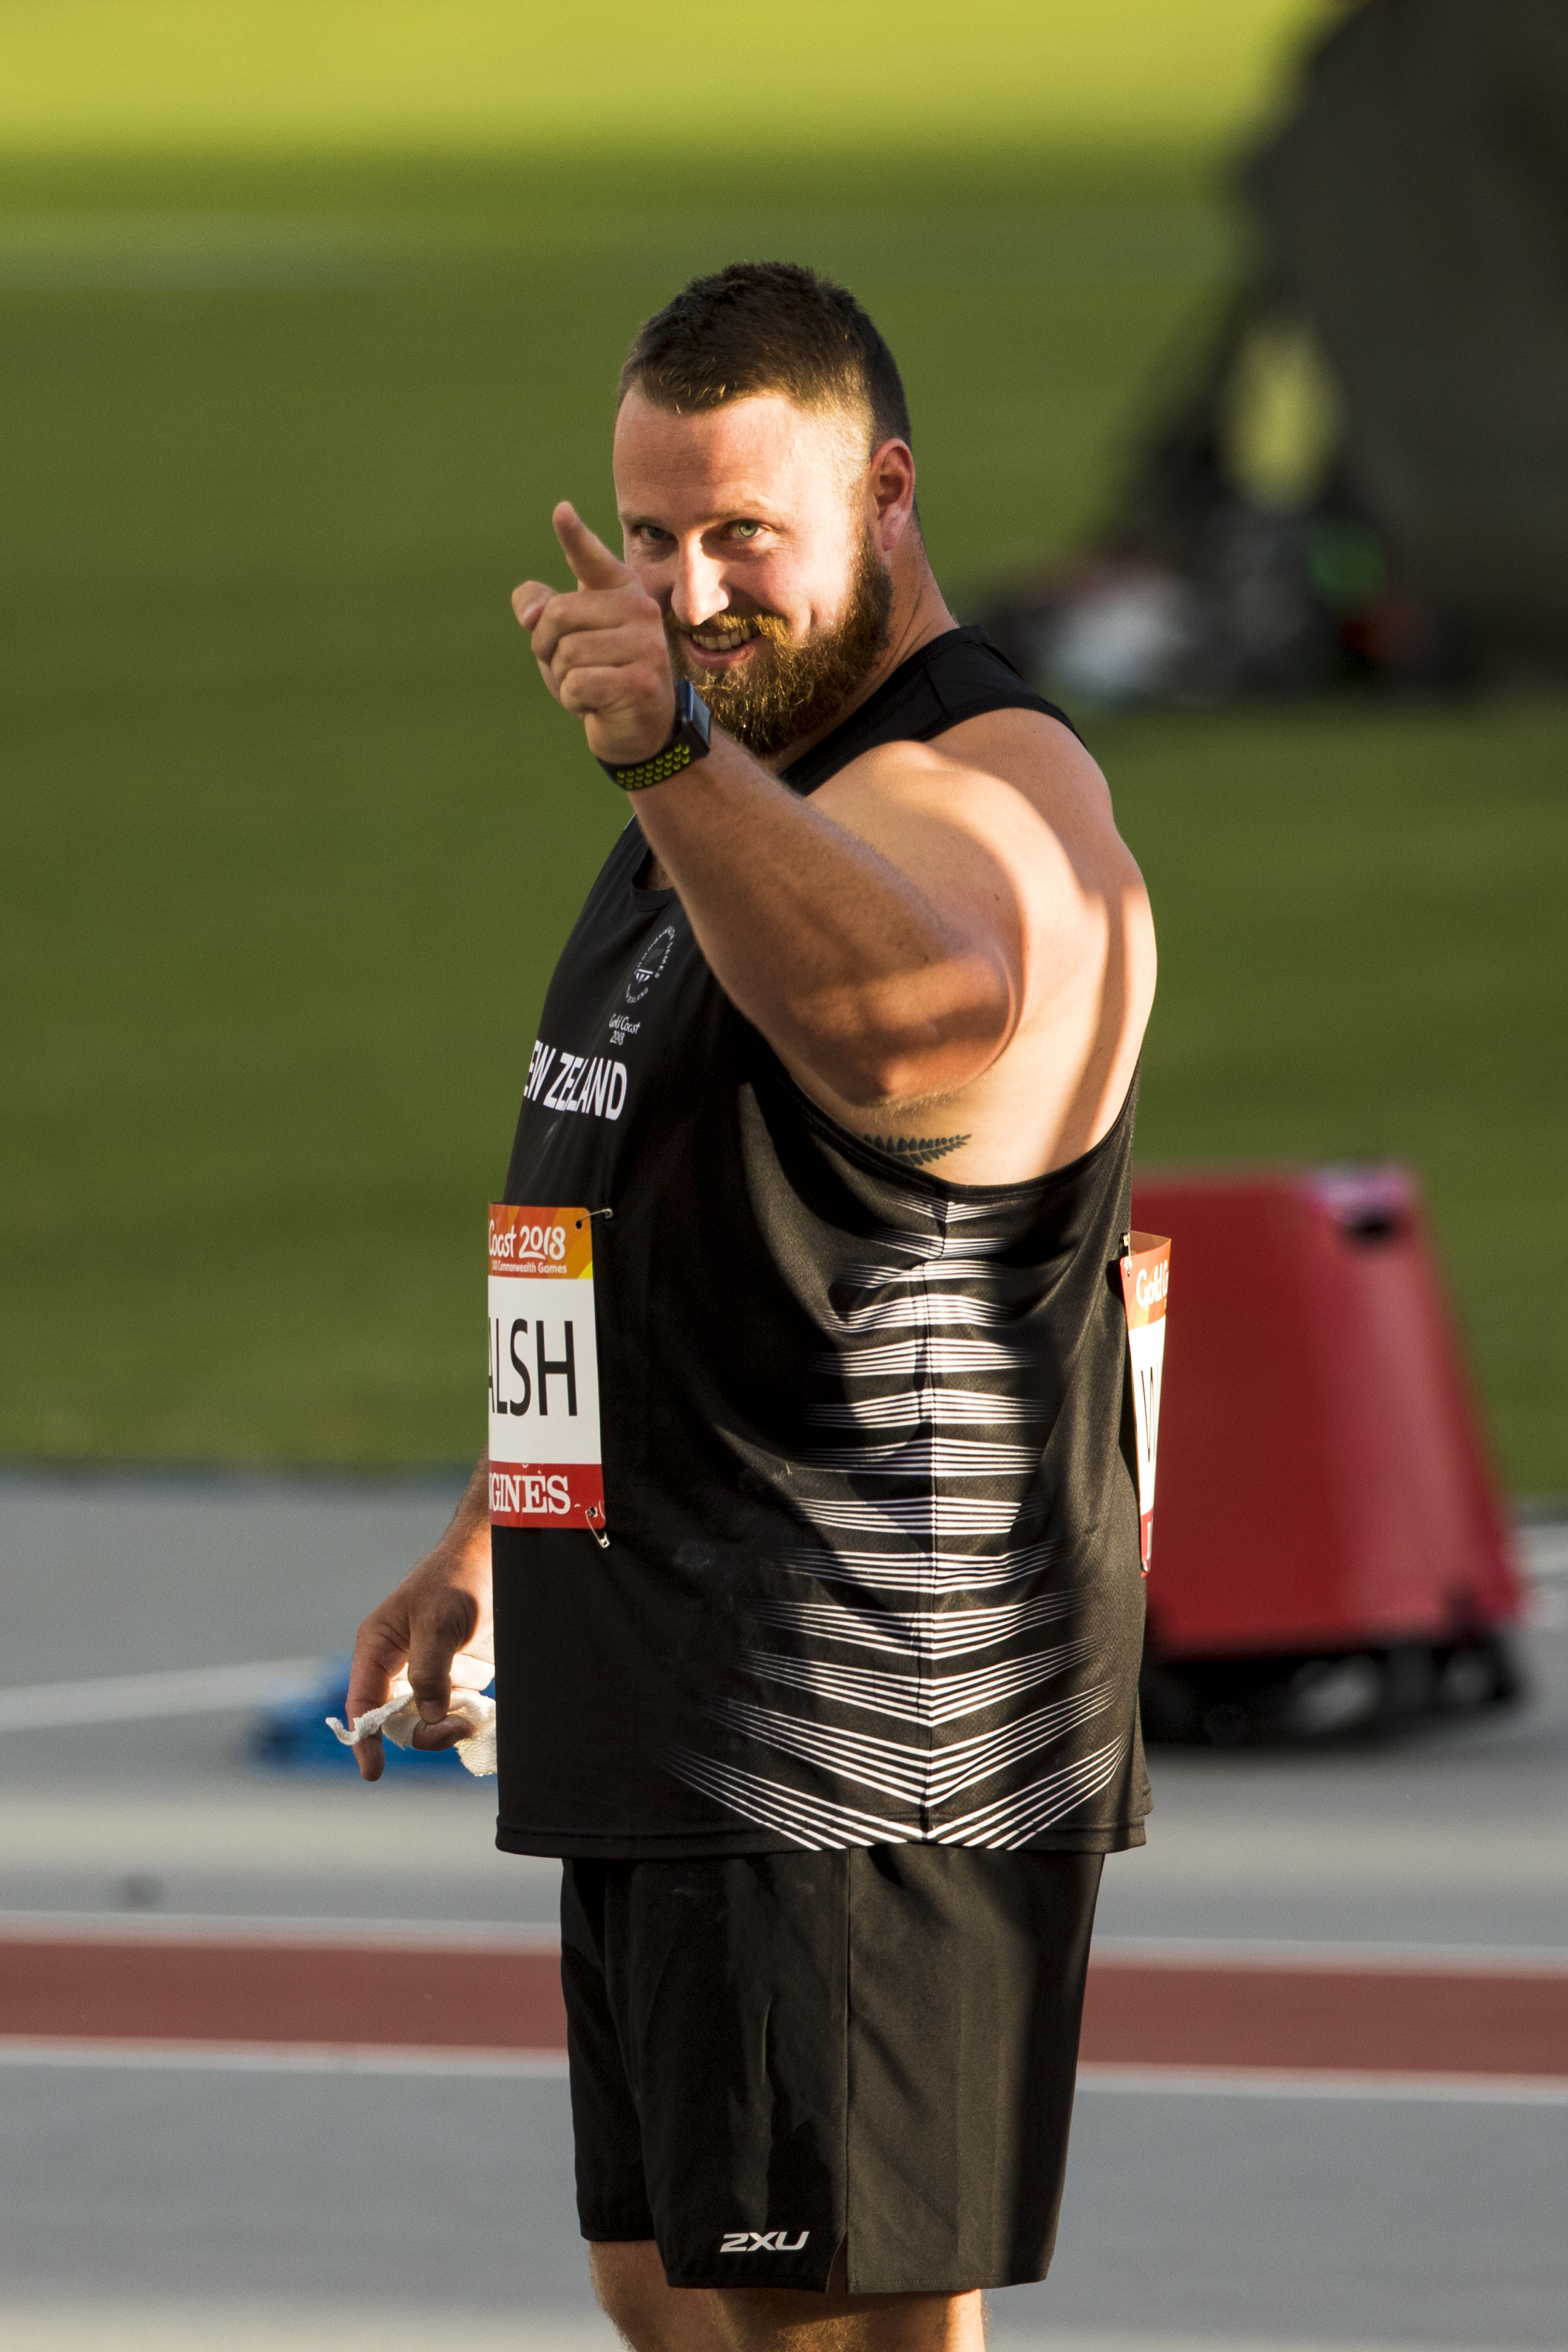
(762, 2241)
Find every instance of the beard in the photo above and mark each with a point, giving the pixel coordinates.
(792, 688)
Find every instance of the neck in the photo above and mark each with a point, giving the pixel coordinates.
(919, 614)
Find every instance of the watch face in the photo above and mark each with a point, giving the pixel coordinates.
(689, 739)
(692, 717)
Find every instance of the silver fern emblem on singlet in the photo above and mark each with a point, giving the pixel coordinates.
(651, 964)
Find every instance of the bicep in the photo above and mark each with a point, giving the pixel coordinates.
(993, 871)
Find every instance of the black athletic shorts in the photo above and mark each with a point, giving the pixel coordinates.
(773, 2053)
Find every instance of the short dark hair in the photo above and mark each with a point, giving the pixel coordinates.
(767, 326)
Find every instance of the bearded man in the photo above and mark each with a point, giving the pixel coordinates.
(834, 1719)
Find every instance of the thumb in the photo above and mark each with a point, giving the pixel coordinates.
(436, 1638)
(592, 562)
(430, 1676)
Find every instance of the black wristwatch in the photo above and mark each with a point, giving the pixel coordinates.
(689, 741)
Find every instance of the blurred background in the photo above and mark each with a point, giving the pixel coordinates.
(1236, 338)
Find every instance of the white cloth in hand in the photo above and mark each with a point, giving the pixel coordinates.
(397, 1720)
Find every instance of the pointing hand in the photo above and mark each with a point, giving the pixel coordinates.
(600, 648)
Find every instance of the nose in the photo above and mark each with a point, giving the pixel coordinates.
(699, 590)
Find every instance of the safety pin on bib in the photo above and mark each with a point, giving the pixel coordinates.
(591, 1512)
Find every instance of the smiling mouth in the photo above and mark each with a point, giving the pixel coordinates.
(717, 637)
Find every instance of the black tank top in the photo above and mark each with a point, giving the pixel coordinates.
(873, 1569)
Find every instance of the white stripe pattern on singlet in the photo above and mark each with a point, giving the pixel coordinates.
(919, 1490)
(954, 1634)
(944, 1701)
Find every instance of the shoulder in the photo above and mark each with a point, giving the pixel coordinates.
(1016, 776)
(1008, 818)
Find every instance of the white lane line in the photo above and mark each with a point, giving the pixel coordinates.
(1544, 1544)
(239, 1929)
(1358, 1851)
(1174, 1952)
(372, 2058)
(1004, 2339)
(72, 2323)
(1310, 2083)
(333, 1832)
(133, 1698)
(1333, 1959)
(276, 2057)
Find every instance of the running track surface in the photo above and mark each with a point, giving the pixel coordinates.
(1390, 2015)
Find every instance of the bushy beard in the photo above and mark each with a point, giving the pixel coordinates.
(789, 687)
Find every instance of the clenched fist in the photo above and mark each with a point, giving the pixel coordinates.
(601, 649)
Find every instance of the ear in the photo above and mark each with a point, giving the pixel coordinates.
(890, 492)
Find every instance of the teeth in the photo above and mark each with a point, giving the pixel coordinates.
(722, 641)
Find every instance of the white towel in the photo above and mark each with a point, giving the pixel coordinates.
(396, 1722)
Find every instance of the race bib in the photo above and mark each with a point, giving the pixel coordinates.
(1145, 1280)
(546, 1469)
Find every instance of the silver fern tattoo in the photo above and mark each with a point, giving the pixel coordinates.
(914, 1150)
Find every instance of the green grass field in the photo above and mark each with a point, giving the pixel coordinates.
(476, 76)
(291, 835)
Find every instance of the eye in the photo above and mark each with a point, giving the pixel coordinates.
(746, 529)
(651, 535)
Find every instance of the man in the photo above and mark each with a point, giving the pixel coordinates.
(835, 1720)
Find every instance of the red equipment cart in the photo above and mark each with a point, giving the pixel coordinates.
(1329, 1549)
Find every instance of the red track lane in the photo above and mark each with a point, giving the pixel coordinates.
(1384, 2019)
(397, 1997)
(1361, 2021)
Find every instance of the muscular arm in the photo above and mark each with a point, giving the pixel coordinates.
(888, 935)
(877, 946)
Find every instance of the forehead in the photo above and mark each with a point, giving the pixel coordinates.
(761, 455)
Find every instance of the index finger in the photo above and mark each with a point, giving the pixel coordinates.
(381, 1651)
(377, 1655)
(592, 564)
